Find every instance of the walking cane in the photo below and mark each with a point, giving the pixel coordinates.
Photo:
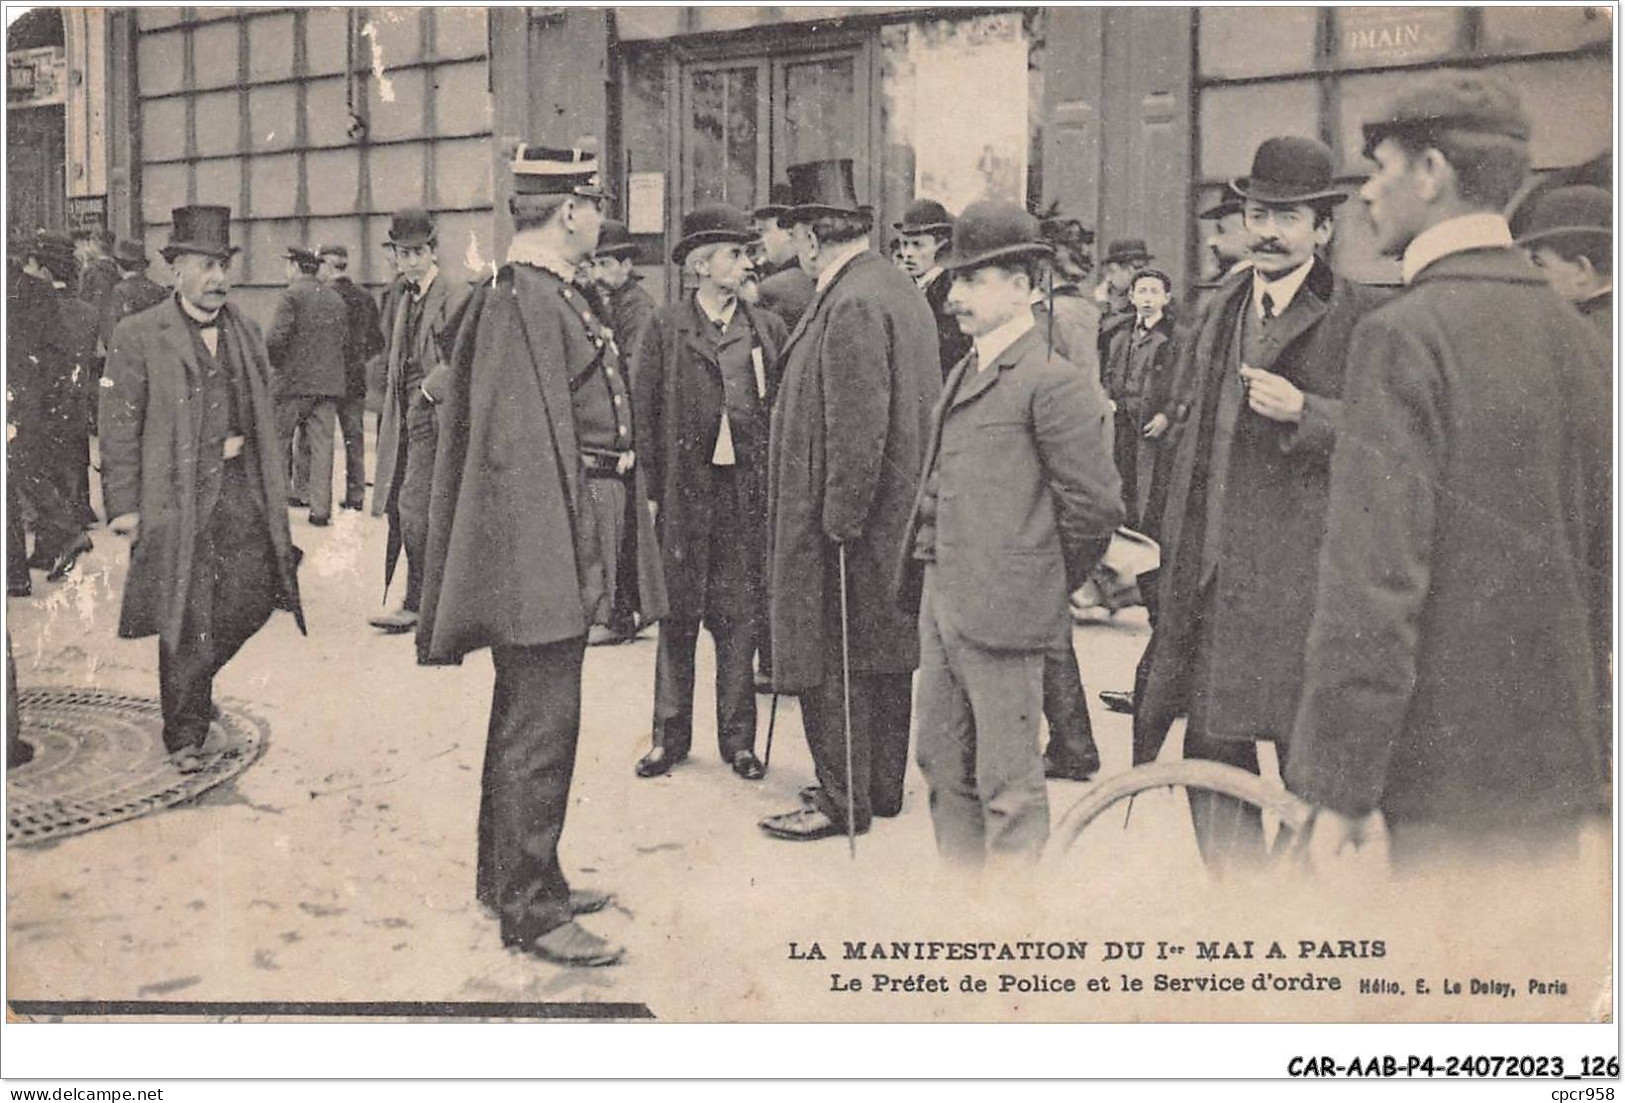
(846, 704)
(772, 718)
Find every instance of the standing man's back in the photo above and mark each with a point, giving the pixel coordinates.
(364, 341)
(306, 341)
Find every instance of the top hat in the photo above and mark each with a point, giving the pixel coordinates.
(1449, 101)
(713, 224)
(1224, 208)
(130, 254)
(339, 251)
(615, 240)
(1126, 250)
(989, 231)
(778, 202)
(924, 216)
(1289, 170)
(819, 188)
(55, 251)
(410, 228)
(1578, 211)
(544, 170)
(202, 230)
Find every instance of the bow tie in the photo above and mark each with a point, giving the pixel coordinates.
(412, 288)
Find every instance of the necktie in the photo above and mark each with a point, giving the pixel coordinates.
(1269, 306)
(412, 288)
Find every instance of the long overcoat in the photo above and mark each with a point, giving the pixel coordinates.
(307, 338)
(443, 304)
(860, 379)
(678, 400)
(513, 558)
(952, 342)
(1459, 664)
(151, 426)
(1274, 517)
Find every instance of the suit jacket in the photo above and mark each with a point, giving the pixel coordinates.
(1071, 324)
(129, 296)
(1458, 668)
(787, 292)
(307, 338)
(630, 310)
(952, 342)
(150, 430)
(512, 561)
(860, 377)
(677, 404)
(363, 338)
(1263, 571)
(1022, 494)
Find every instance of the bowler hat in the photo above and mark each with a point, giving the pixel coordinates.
(130, 254)
(924, 216)
(1224, 208)
(410, 228)
(713, 224)
(1127, 250)
(1580, 211)
(1290, 170)
(302, 256)
(1451, 101)
(819, 188)
(200, 229)
(615, 240)
(55, 251)
(989, 231)
(545, 170)
(340, 251)
(778, 202)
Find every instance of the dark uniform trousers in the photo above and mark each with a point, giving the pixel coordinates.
(530, 756)
(1066, 708)
(730, 616)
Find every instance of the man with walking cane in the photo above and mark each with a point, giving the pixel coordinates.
(860, 375)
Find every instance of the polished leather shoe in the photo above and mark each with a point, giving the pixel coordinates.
(809, 794)
(401, 620)
(1071, 771)
(353, 503)
(658, 761)
(748, 766)
(588, 901)
(297, 502)
(64, 564)
(20, 587)
(1117, 700)
(571, 944)
(601, 634)
(320, 520)
(188, 761)
(804, 825)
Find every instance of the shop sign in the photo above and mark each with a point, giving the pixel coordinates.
(1396, 36)
(87, 212)
(37, 77)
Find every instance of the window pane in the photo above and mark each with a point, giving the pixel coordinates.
(163, 188)
(331, 179)
(158, 59)
(218, 124)
(214, 54)
(1236, 120)
(462, 105)
(643, 112)
(462, 173)
(1396, 36)
(1354, 249)
(401, 115)
(1537, 30)
(327, 119)
(1361, 99)
(724, 107)
(338, 231)
(326, 40)
(465, 248)
(397, 177)
(221, 182)
(163, 129)
(1253, 42)
(820, 110)
(270, 47)
(398, 33)
(267, 242)
(271, 114)
(275, 183)
(459, 32)
(151, 18)
(1570, 106)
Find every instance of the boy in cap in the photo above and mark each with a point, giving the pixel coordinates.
(307, 341)
(1459, 668)
(363, 341)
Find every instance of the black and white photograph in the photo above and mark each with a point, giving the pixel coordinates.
(813, 514)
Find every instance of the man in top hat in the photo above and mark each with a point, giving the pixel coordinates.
(135, 290)
(703, 382)
(1124, 257)
(419, 312)
(1459, 667)
(1263, 367)
(922, 238)
(860, 375)
(1018, 497)
(50, 354)
(192, 475)
(783, 286)
(363, 341)
(97, 271)
(1570, 237)
(519, 557)
(307, 340)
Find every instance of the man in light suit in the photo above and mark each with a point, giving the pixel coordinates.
(1018, 498)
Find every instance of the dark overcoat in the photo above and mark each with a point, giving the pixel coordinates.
(307, 338)
(365, 339)
(150, 429)
(787, 292)
(1070, 324)
(860, 377)
(443, 305)
(1274, 517)
(1148, 360)
(1458, 668)
(677, 400)
(630, 310)
(952, 342)
(513, 557)
(130, 295)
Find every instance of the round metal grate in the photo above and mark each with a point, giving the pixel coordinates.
(99, 759)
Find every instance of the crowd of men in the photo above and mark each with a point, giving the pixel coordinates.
(1385, 515)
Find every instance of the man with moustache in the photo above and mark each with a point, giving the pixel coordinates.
(1241, 532)
(703, 388)
(192, 475)
(519, 556)
(783, 286)
(922, 238)
(1459, 670)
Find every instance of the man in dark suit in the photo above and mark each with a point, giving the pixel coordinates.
(363, 341)
(1018, 497)
(1459, 667)
(783, 286)
(614, 270)
(1570, 237)
(1247, 489)
(860, 375)
(97, 272)
(1139, 366)
(1124, 257)
(307, 341)
(516, 553)
(703, 390)
(419, 311)
(192, 465)
(135, 290)
(922, 238)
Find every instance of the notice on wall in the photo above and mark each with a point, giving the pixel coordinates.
(37, 77)
(1396, 36)
(646, 202)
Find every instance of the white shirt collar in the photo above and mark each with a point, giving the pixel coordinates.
(925, 279)
(720, 320)
(996, 342)
(1282, 290)
(1142, 324)
(196, 313)
(526, 248)
(843, 254)
(1483, 230)
(428, 278)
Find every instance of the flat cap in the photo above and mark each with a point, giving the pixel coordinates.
(1451, 101)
